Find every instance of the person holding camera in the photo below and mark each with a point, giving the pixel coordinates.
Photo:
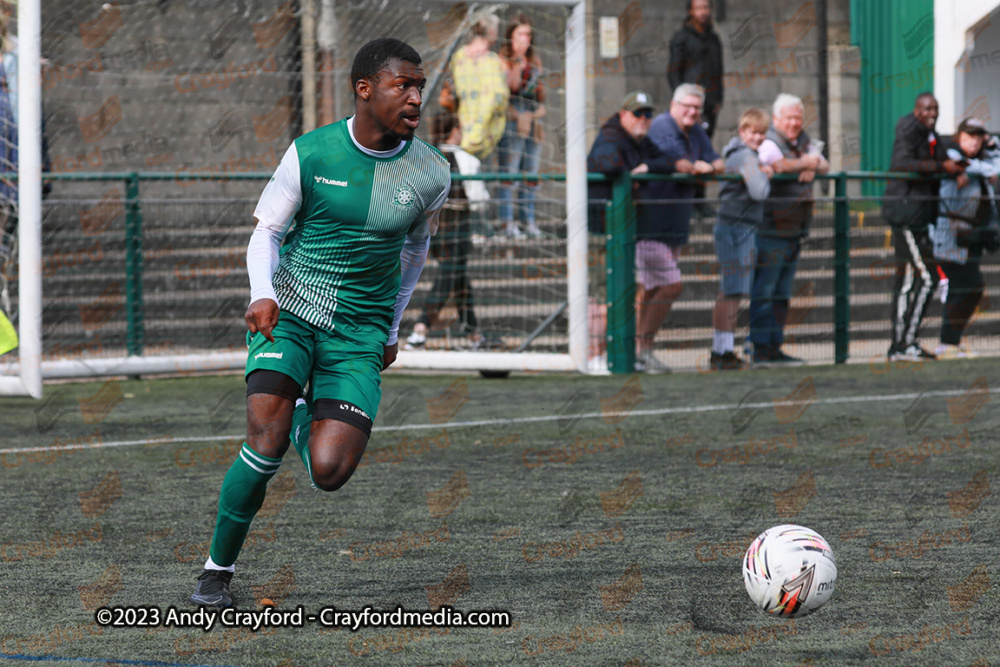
(967, 224)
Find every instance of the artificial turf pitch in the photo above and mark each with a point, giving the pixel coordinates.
(612, 529)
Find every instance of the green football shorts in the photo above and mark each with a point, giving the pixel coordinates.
(337, 369)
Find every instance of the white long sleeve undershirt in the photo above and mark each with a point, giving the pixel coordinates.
(412, 258)
(262, 262)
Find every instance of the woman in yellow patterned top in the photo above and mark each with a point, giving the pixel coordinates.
(480, 82)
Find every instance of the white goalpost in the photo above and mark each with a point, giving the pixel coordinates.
(576, 232)
(24, 375)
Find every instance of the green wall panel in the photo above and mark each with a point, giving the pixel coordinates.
(896, 38)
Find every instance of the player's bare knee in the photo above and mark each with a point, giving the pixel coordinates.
(269, 440)
(336, 453)
(269, 423)
(330, 476)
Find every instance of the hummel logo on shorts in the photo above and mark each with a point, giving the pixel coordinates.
(327, 181)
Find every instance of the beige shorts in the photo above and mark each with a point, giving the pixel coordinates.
(656, 264)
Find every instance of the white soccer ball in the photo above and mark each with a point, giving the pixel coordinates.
(789, 571)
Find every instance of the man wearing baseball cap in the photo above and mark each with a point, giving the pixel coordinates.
(622, 145)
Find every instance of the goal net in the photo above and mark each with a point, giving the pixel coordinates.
(162, 123)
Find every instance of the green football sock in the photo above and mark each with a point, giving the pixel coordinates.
(301, 424)
(242, 494)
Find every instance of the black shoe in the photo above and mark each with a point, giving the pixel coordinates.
(727, 361)
(489, 341)
(911, 352)
(213, 589)
(780, 358)
(761, 355)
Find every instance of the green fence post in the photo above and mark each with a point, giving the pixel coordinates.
(620, 261)
(842, 270)
(133, 265)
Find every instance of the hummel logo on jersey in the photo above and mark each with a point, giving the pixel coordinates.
(327, 181)
(268, 355)
(405, 196)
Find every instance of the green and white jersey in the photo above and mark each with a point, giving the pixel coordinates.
(339, 268)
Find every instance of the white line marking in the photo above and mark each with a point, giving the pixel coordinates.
(518, 420)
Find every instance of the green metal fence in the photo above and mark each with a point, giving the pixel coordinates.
(142, 247)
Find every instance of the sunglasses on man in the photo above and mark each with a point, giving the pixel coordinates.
(643, 113)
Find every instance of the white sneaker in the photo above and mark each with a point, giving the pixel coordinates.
(969, 352)
(598, 365)
(513, 230)
(533, 230)
(960, 351)
(647, 363)
(415, 341)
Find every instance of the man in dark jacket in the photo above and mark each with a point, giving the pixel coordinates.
(910, 207)
(696, 57)
(663, 231)
(623, 145)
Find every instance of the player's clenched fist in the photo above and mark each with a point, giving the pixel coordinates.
(389, 353)
(262, 316)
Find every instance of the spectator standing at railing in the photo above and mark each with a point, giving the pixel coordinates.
(910, 207)
(967, 224)
(788, 149)
(696, 57)
(741, 210)
(622, 145)
(663, 228)
(521, 145)
(452, 244)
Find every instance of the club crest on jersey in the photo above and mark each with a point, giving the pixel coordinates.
(404, 196)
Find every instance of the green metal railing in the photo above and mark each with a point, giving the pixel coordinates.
(620, 243)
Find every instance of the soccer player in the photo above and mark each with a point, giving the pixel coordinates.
(364, 195)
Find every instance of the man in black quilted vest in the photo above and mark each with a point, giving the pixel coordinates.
(788, 149)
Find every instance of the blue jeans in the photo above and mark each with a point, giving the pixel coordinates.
(772, 290)
(515, 154)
